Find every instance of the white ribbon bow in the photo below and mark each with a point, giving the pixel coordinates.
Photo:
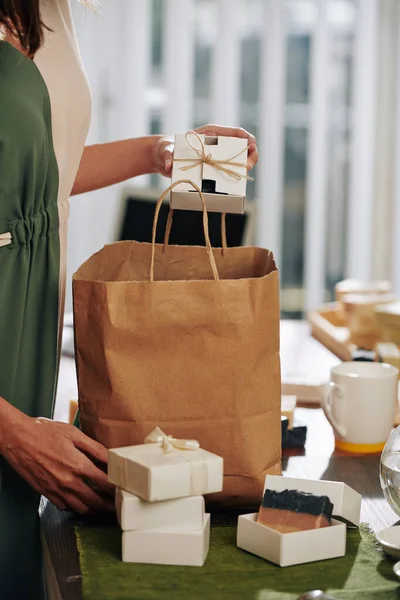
(169, 443)
(5, 239)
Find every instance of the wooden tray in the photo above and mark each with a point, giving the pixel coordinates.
(328, 328)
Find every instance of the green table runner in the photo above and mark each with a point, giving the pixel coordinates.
(365, 573)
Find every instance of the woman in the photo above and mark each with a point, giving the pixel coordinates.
(44, 118)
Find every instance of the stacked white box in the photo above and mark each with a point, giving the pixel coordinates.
(159, 501)
(133, 513)
(179, 547)
(170, 532)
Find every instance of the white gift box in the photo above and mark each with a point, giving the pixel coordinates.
(134, 513)
(167, 547)
(286, 549)
(230, 180)
(163, 470)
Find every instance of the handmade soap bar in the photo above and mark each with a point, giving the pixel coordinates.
(367, 288)
(295, 437)
(362, 355)
(389, 314)
(290, 511)
(167, 546)
(284, 427)
(389, 353)
(363, 324)
(165, 468)
(288, 405)
(134, 513)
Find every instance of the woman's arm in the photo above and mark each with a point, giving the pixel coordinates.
(105, 164)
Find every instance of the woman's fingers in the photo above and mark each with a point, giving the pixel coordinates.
(164, 149)
(88, 445)
(56, 500)
(252, 157)
(88, 497)
(166, 156)
(239, 132)
(75, 504)
(99, 479)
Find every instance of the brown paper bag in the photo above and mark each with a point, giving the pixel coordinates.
(187, 339)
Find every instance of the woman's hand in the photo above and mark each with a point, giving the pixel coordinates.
(164, 147)
(56, 459)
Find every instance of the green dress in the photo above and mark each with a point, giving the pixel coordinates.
(29, 297)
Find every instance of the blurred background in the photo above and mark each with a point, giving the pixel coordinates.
(318, 83)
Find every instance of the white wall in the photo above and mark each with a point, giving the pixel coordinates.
(109, 41)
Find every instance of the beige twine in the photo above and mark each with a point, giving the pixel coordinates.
(209, 160)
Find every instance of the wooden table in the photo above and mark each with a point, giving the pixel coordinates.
(300, 354)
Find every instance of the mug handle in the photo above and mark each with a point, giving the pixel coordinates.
(326, 403)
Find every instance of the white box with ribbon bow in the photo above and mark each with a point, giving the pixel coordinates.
(217, 166)
(164, 468)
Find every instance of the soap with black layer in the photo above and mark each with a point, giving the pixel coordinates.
(284, 427)
(290, 510)
(295, 437)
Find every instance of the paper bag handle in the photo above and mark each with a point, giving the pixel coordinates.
(205, 227)
(169, 225)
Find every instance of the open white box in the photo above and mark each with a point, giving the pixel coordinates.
(230, 193)
(286, 549)
(186, 548)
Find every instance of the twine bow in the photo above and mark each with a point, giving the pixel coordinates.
(169, 443)
(208, 159)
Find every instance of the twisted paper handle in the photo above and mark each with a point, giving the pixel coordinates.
(169, 223)
(169, 443)
(209, 160)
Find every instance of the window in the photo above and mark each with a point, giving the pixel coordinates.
(225, 41)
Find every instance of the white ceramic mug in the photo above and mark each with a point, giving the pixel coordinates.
(361, 403)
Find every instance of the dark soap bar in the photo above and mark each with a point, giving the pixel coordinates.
(284, 426)
(364, 355)
(295, 437)
(300, 502)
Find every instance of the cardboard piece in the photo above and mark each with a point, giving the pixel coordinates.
(303, 546)
(134, 513)
(73, 408)
(149, 472)
(167, 546)
(230, 193)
